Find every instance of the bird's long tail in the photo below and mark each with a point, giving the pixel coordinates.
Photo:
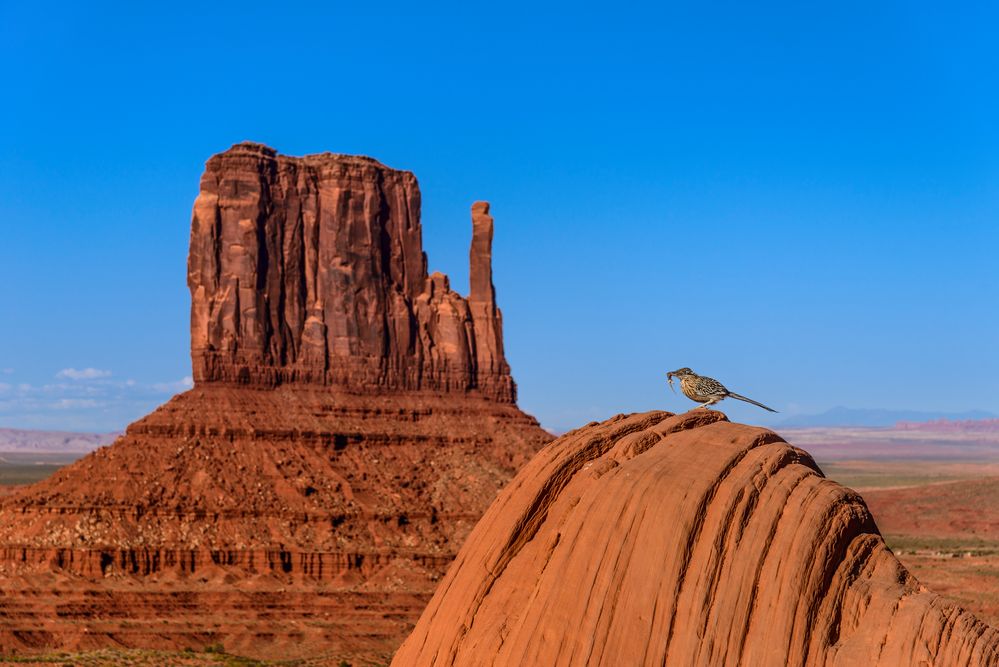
(749, 400)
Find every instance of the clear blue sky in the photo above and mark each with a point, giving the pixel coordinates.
(801, 201)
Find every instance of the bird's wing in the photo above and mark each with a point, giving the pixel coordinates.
(712, 386)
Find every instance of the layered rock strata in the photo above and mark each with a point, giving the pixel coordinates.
(286, 480)
(351, 419)
(659, 539)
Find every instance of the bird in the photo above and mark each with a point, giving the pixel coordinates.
(704, 390)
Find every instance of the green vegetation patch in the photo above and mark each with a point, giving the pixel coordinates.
(213, 655)
(946, 546)
(857, 477)
(141, 658)
(21, 473)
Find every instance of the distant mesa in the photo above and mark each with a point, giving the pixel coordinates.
(351, 419)
(944, 425)
(660, 539)
(30, 440)
(874, 417)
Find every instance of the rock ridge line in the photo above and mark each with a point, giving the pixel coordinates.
(654, 538)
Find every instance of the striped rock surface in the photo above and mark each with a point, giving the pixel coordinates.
(655, 539)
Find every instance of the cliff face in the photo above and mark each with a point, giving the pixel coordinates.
(312, 271)
(659, 539)
(352, 417)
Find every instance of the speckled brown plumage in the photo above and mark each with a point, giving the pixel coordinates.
(704, 390)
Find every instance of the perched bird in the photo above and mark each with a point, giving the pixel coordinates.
(706, 391)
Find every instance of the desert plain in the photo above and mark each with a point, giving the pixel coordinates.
(933, 490)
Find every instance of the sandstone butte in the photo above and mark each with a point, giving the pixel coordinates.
(660, 539)
(351, 419)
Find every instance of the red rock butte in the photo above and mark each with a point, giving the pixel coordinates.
(312, 271)
(660, 539)
(351, 419)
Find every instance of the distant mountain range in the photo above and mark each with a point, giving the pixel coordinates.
(840, 416)
(25, 440)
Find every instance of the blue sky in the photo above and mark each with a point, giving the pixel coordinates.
(799, 200)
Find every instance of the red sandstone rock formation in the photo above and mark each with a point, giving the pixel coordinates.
(311, 270)
(656, 539)
(351, 419)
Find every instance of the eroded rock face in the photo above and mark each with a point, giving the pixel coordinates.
(657, 539)
(352, 417)
(311, 271)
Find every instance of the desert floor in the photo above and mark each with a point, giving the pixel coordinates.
(940, 518)
(939, 514)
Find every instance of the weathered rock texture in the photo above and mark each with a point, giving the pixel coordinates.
(311, 270)
(352, 417)
(656, 539)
